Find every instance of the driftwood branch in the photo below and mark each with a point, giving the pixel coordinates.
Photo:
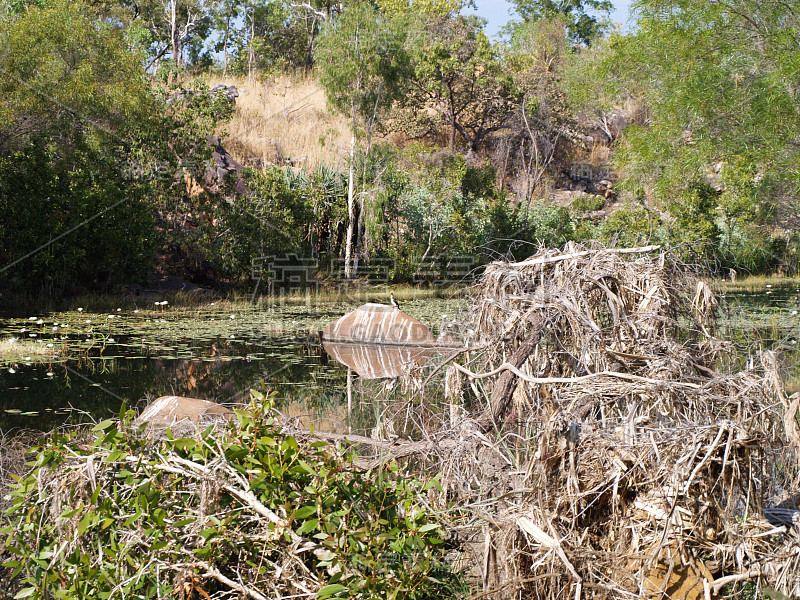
(583, 378)
(720, 583)
(507, 382)
(213, 572)
(392, 450)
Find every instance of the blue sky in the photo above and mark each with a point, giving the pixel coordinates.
(498, 13)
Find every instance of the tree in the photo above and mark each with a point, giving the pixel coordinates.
(361, 61)
(168, 27)
(457, 74)
(75, 108)
(536, 57)
(583, 28)
(719, 84)
(422, 8)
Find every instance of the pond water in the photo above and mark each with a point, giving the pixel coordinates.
(85, 364)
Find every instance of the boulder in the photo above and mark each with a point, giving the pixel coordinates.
(379, 324)
(224, 166)
(183, 413)
(229, 91)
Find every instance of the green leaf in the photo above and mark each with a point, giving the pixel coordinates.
(25, 593)
(85, 522)
(115, 456)
(330, 590)
(307, 526)
(428, 527)
(433, 483)
(103, 425)
(304, 512)
(307, 468)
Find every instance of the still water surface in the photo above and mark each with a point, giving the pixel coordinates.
(100, 360)
(220, 352)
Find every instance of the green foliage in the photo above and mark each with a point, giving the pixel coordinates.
(137, 517)
(631, 225)
(694, 210)
(276, 219)
(426, 8)
(713, 79)
(361, 61)
(751, 249)
(583, 205)
(583, 28)
(546, 225)
(457, 73)
(105, 222)
(272, 38)
(450, 207)
(76, 107)
(64, 70)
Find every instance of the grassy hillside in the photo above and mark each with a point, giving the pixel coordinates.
(284, 121)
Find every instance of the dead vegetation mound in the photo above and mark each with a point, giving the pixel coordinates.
(630, 457)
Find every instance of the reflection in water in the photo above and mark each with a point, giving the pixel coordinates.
(373, 361)
(45, 396)
(209, 353)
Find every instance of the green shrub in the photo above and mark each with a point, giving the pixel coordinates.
(750, 249)
(70, 221)
(546, 225)
(108, 513)
(585, 204)
(695, 213)
(631, 225)
(276, 219)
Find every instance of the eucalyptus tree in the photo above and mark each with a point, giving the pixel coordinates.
(362, 63)
(75, 107)
(582, 26)
(536, 57)
(457, 73)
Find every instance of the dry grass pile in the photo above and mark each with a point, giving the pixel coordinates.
(284, 121)
(631, 459)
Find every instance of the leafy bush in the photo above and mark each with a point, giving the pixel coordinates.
(231, 509)
(631, 225)
(274, 220)
(585, 204)
(70, 221)
(694, 210)
(546, 225)
(750, 249)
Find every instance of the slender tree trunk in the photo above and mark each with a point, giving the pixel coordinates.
(173, 24)
(251, 50)
(351, 207)
(225, 41)
(452, 141)
(309, 60)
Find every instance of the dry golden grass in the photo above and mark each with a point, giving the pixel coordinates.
(284, 118)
